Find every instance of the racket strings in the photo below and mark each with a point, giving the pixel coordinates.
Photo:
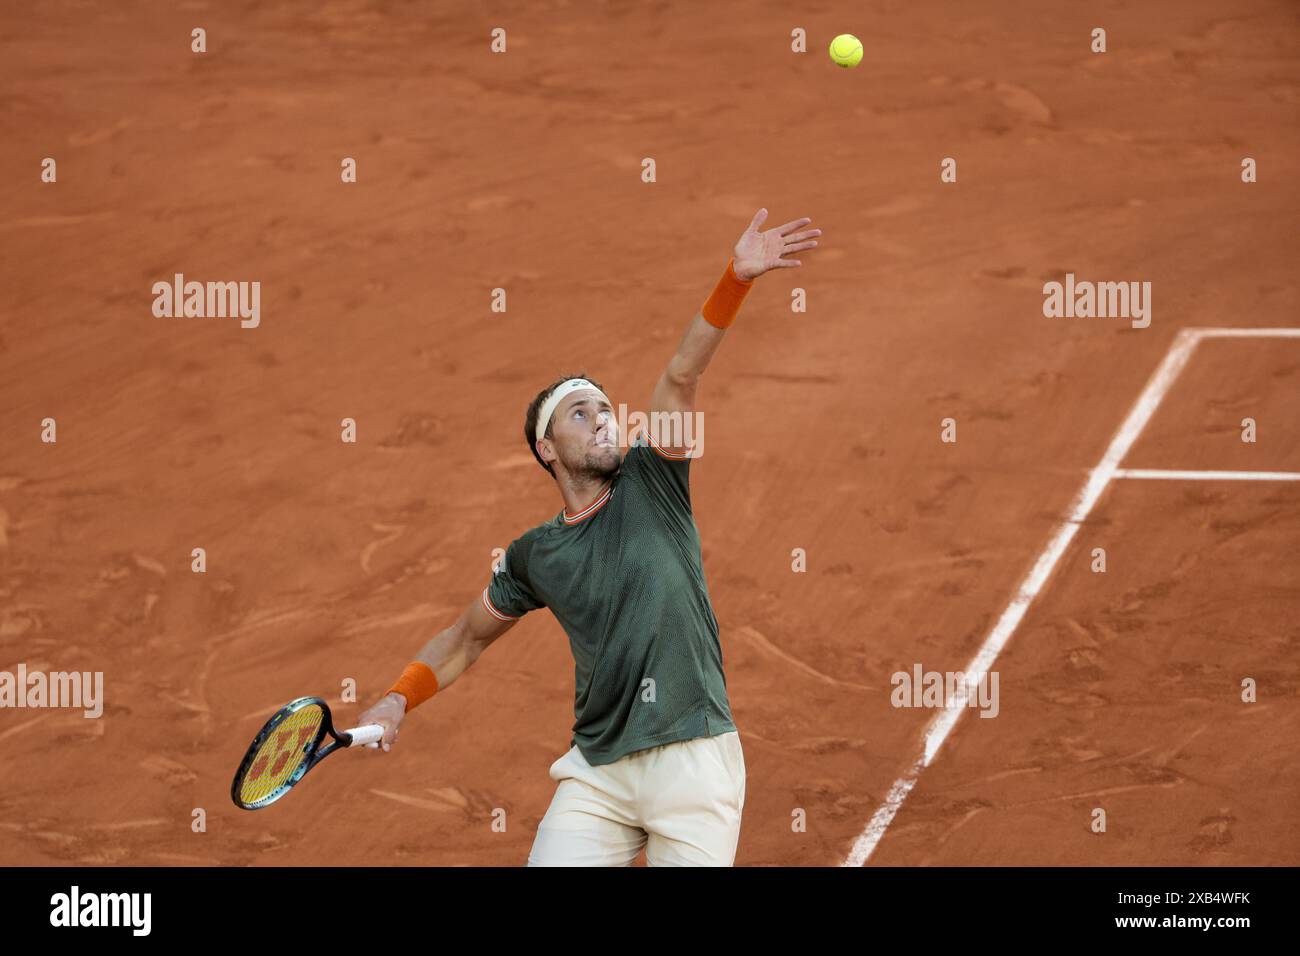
(280, 756)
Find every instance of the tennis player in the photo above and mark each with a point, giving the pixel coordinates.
(655, 760)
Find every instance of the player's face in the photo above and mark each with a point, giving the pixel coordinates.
(586, 435)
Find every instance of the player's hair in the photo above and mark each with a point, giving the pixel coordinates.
(535, 409)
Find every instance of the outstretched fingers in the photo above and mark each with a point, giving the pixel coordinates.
(792, 225)
(803, 235)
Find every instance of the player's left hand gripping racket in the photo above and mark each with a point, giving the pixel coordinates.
(287, 747)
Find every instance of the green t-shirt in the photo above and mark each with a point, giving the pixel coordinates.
(625, 579)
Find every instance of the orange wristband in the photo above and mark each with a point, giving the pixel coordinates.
(724, 304)
(417, 684)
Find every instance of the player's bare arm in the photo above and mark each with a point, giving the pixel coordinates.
(448, 654)
(755, 253)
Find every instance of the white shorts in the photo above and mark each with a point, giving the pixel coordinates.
(681, 802)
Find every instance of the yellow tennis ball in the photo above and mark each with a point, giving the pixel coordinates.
(846, 50)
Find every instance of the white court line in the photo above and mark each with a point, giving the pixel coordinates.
(1208, 475)
(1208, 333)
(940, 727)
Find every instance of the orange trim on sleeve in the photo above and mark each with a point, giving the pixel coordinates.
(723, 305)
(665, 453)
(417, 684)
(491, 609)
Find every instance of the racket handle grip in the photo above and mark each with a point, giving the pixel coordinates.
(368, 736)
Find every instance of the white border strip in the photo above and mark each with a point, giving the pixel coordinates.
(1208, 475)
(1208, 333)
(941, 726)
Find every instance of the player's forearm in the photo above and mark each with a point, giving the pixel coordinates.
(676, 389)
(694, 352)
(449, 653)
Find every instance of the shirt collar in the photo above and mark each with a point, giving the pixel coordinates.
(590, 510)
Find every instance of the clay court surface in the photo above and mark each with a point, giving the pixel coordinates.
(329, 561)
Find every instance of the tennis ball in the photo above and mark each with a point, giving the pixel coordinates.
(846, 50)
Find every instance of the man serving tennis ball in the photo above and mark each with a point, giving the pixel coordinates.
(655, 760)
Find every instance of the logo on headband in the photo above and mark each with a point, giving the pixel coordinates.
(553, 402)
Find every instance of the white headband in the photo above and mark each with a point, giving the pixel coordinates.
(551, 404)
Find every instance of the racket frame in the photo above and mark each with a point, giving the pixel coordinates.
(316, 754)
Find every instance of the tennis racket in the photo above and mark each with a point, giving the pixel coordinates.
(287, 747)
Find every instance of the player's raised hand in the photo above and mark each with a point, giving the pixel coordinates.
(388, 713)
(758, 252)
